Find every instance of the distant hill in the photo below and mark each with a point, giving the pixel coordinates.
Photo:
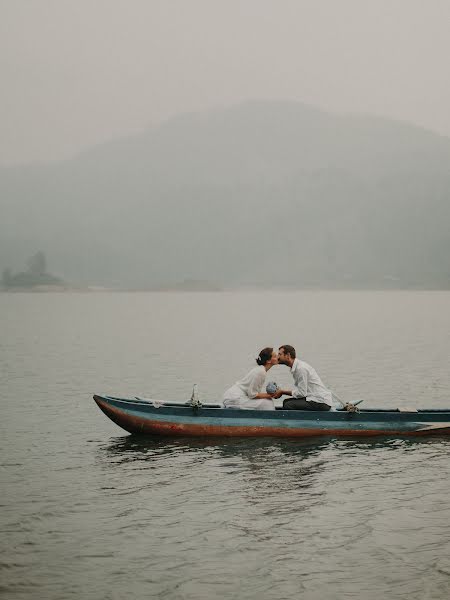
(264, 193)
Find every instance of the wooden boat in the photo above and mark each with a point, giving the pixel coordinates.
(172, 419)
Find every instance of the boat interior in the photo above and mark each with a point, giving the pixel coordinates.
(400, 409)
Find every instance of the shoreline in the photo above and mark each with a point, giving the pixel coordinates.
(243, 289)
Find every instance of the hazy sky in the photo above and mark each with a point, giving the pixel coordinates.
(77, 72)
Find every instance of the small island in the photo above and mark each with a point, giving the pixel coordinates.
(35, 278)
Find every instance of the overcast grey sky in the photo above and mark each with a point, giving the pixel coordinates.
(78, 72)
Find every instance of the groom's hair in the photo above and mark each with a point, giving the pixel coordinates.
(289, 350)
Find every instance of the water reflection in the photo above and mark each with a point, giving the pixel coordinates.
(133, 447)
(267, 467)
(300, 471)
(270, 475)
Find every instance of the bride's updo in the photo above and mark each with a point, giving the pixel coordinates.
(264, 356)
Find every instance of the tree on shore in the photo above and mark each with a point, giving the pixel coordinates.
(37, 264)
(36, 274)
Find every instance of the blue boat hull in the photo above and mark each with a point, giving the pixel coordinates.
(138, 416)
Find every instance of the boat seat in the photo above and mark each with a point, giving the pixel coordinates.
(406, 409)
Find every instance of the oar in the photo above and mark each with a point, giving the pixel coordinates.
(170, 403)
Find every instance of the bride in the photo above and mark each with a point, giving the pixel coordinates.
(248, 391)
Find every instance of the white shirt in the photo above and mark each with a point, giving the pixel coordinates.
(308, 384)
(248, 387)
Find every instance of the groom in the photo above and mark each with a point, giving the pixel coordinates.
(308, 393)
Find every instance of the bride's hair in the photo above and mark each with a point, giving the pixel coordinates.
(264, 356)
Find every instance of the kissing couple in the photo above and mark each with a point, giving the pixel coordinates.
(307, 392)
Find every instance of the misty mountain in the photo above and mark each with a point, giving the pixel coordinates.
(272, 193)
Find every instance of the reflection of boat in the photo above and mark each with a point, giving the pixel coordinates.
(171, 419)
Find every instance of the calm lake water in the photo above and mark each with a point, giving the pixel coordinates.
(88, 511)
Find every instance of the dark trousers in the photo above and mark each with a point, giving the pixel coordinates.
(303, 404)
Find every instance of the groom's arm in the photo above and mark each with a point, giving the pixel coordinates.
(300, 387)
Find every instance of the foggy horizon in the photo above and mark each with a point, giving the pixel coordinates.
(369, 196)
(78, 74)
